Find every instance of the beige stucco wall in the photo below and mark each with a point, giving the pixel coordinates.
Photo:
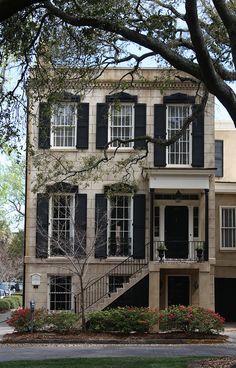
(229, 138)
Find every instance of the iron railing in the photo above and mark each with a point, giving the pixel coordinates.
(99, 289)
(179, 250)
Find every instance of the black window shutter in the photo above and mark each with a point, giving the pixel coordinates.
(44, 125)
(139, 226)
(83, 125)
(101, 226)
(198, 141)
(159, 132)
(219, 157)
(42, 225)
(102, 125)
(80, 224)
(140, 125)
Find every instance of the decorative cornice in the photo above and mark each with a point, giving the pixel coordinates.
(109, 84)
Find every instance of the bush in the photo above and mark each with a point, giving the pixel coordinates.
(63, 321)
(190, 319)
(4, 305)
(18, 300)
(13, 303)
(22, 321)
(122, 320)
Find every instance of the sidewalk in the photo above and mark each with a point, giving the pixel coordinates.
(4, 328)
(230, 330)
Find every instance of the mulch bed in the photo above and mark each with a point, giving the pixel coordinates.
(228, 362)
(102, 338)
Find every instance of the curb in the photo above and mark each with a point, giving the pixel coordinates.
(101, 342)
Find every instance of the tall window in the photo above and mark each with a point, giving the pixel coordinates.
(63, 126)
(60, 293)
(61, 224)
(178, 152)
(120, 224)
(228, 227)
(121, 123)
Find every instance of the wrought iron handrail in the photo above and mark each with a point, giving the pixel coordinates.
(99, 289)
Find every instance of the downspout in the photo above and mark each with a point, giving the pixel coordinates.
(206, 253)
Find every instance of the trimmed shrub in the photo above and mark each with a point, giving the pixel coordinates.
(4, 305)
(22, 320)
(123, 320)
(190, 319)
(17, 299)
(63, 322)
(12, 302)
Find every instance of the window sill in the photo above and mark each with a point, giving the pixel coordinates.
(121, 149)
(64, 149)
(233, 249)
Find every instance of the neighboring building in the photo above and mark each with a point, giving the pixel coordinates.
(225, 187)
(172, 203)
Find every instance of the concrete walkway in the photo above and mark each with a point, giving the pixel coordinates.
(4, 328)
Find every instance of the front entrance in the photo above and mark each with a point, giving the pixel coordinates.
(178, 290)
(176, 231)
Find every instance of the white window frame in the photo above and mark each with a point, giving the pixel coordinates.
(111, 126)
(130, 233)
(49, 293)
(189, 129)
(72, 220)
(233, 248)
(55, 125)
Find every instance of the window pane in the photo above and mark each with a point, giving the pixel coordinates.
(64, 125)
(62, 231)
(228, 227)
(119, 220)
(178, 153)
(60, 293)
(121, 123)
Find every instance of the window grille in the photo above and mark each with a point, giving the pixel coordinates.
(121, 123)
(178, 152)
(60, 293)
(61, 221)
(63, 127)
(119, 222)
(228, 227)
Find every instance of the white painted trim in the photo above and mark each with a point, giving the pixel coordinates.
(72, 221)
(190, 137)
(177, 181)
(51, 127)
(225, 187)
(126, 149)
(131, 224)
(232, 249)
(48, 292)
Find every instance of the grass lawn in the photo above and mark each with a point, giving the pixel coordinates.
(102, 363)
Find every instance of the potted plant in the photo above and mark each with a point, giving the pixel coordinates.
(199, 247)
(161, 250)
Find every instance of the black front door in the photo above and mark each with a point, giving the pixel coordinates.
(178, 290)
(176, 231)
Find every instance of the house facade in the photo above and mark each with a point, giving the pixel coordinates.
(225, 188)
(147, 229)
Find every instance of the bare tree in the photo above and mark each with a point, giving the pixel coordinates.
(77, 249)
